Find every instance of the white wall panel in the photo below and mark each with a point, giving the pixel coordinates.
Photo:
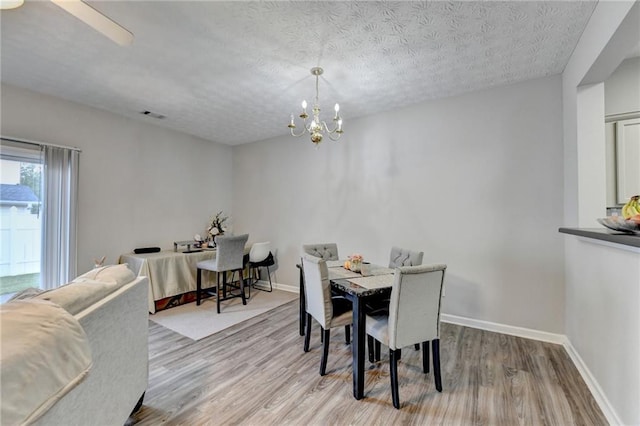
(474, 181)
(140, 185)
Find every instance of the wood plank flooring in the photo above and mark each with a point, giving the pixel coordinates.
(256, 373)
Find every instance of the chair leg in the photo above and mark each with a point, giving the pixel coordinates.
(224, 285)
(393, 373)
(325, 352)
(198, 286)
(248, 283)
(417, 346)
(436, 363)
(425, 357)
(307, 334)
(269, 275)
(244, 299)
(347, 334)
(218, 291)
(371, 349)
(377, 350)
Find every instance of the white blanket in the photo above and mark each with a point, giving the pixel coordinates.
(44, 354)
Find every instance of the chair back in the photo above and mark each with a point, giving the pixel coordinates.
(414, 309)
(326, 251)
(259, 252)
(403, 257)
(317, 289)
(230, 252)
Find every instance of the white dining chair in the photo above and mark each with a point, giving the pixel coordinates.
(330, 312)
(260, 256)
(413, 318)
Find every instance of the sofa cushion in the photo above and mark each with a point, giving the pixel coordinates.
(120, 274)
(77, 296)
(83, 291)
(45, 353)
(27, 293)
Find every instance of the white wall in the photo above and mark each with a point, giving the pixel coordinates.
(622, 89)
(140, 185)
(474, 181)
(602, 282)
(621, 96)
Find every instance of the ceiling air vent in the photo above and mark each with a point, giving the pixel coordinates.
(153, 114)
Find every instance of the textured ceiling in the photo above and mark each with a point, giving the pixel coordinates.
(233, 72)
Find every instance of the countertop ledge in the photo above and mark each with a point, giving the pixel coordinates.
(604, 235)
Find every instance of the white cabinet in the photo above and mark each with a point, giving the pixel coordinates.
(628, 159)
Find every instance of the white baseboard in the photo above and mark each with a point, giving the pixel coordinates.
(600, 397)
(284, 287)
(527, 333)
(543, 336)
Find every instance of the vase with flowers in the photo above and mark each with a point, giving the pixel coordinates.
(216, 227)
(355, 262)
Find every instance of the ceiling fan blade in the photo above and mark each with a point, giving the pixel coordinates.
(97, 20)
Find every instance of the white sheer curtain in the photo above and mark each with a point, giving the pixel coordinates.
(59, 218)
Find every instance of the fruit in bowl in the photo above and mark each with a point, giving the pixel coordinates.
(619, 224)
(631, 210)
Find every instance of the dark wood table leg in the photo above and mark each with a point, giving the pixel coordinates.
(303, 309)
(358, 347)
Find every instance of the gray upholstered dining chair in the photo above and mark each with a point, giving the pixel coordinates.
(330, 312)
(404, 257)
(414, 317)
(229, 258)
(398, 257)
(326, 251)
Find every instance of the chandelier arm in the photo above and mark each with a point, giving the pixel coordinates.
(297, 135)
(332, 138)
(326, 128)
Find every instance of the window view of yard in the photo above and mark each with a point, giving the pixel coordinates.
(20, 225)
(15, 283)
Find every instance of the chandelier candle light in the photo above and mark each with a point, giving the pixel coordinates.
(317, 127)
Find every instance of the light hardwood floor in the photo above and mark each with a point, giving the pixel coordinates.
(256, 373)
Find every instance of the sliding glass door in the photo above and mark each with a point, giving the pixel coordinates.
(38, 203)
(20, 218)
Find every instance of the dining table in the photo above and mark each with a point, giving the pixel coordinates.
(359, 290)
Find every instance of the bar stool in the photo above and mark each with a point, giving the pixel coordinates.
(229, 258)
(260, 256)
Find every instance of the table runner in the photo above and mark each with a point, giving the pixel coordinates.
(374, 281)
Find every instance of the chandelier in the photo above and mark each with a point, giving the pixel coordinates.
(317, 127)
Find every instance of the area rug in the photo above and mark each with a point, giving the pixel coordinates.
(198, 322)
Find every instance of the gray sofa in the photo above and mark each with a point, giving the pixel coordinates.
(106, 311)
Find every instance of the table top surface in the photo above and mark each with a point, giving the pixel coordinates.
(164, 254)
(353, 283)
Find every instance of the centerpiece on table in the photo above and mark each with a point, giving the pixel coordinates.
(216, 227)
(354, 262)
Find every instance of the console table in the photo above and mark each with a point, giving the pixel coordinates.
(170, 273)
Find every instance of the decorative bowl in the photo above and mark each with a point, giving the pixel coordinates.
(619, 224)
